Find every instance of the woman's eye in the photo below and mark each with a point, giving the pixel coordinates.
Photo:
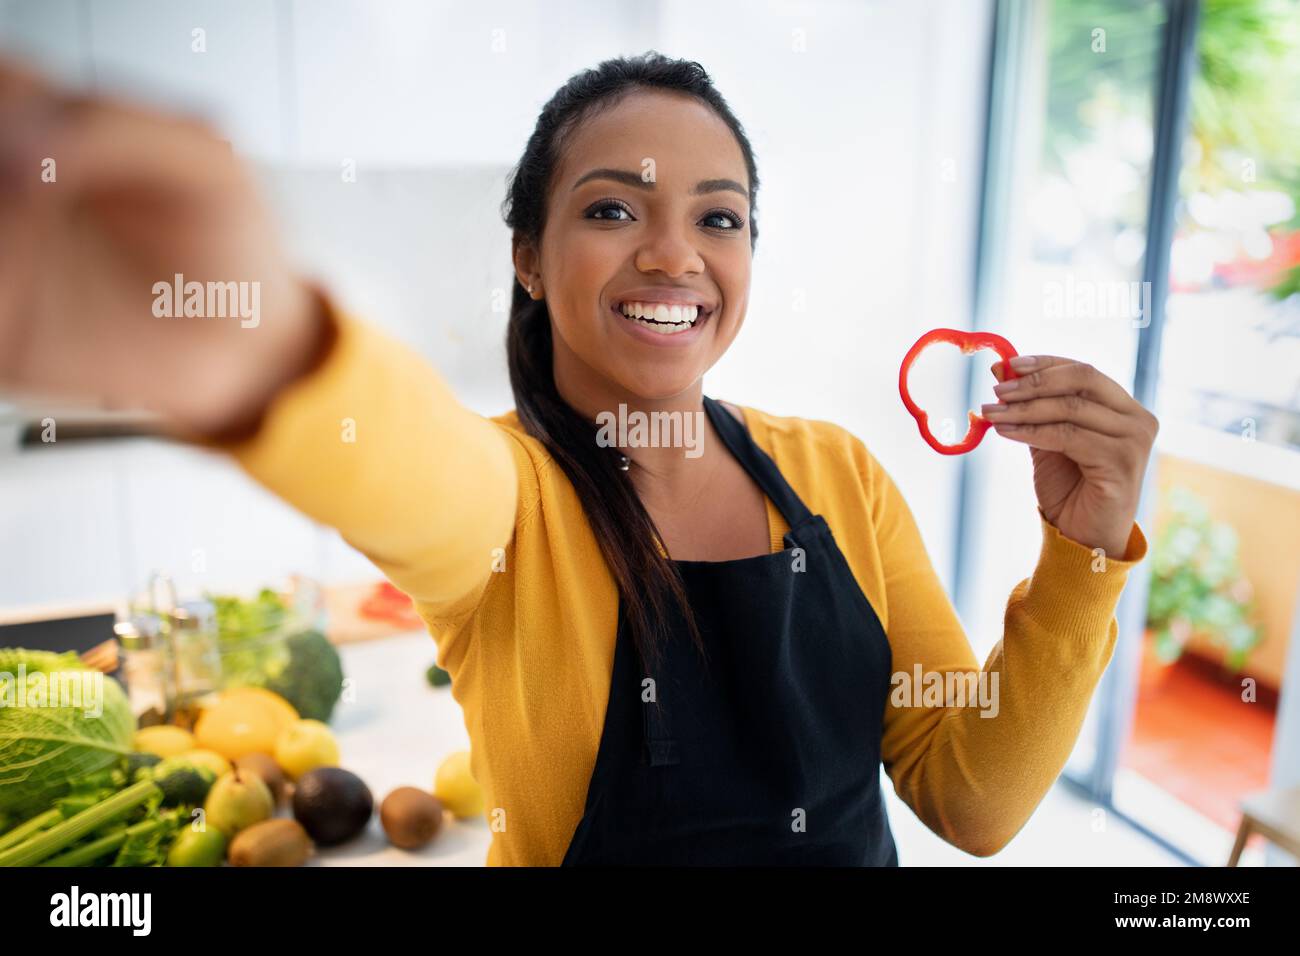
(730, 219)
(596, 212)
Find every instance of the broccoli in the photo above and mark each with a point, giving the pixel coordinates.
(312, 681)
(180, 781)
(185, 787)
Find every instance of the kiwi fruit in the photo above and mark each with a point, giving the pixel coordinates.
(411, 817)
(279, 842)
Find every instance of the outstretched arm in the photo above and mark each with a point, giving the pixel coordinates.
(974, 773)
(105, 210)
(371, 441)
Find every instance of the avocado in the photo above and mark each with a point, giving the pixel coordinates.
(332, 804)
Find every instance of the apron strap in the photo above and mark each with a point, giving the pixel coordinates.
(758, 463)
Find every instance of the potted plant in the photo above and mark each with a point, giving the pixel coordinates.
(1197, 587)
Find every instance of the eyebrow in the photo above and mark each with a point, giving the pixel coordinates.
(628, 178)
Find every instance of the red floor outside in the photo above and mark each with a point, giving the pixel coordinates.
(1195, 737)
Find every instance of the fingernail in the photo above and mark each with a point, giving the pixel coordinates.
(1003, 387)
(1022, 363)
(992, 409)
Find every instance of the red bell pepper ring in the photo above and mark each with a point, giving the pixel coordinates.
(968, 342)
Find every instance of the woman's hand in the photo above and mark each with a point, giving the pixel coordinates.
(1089, 439)
(99, 203)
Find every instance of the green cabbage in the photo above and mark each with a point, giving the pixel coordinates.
(45, 750)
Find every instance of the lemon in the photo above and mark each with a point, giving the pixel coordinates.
(243, 720)
(304, 746)
(456, 787)
(163, 740)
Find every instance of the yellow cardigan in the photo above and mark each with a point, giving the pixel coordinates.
(473, 519)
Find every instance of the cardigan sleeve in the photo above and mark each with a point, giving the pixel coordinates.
(373, 443)
(975, 772)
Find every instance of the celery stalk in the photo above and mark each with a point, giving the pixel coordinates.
(88, 854)
(21, 832)
(44, 845)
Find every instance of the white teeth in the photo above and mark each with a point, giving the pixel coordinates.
(660, 316)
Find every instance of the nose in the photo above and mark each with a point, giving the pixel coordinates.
(669, 249)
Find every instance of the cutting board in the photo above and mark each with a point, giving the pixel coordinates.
(345, 625)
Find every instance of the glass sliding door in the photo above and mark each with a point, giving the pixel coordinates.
(1140, 214)
(1068, 181)
(1226, 555)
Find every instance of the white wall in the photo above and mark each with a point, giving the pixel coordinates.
(869, 148)
(868, 144)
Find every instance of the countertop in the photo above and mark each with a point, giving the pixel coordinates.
(394, 730)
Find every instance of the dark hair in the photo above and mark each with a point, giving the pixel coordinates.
(647, 582)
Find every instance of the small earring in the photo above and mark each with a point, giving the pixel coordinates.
(623, 462)
(530, 288)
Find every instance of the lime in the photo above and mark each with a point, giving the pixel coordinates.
(205, 847)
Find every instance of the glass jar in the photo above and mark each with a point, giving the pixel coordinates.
(255, 647)
(173, 655)
(145, 669)
(195, 657)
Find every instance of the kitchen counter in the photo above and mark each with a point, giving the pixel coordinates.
(394, 730)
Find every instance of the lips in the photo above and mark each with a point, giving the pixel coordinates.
(666, 294)
(664, 314)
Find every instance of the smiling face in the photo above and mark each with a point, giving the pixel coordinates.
(649, 205)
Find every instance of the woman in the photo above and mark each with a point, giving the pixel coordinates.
(662, 657)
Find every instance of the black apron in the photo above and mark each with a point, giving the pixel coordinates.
(769, 754)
